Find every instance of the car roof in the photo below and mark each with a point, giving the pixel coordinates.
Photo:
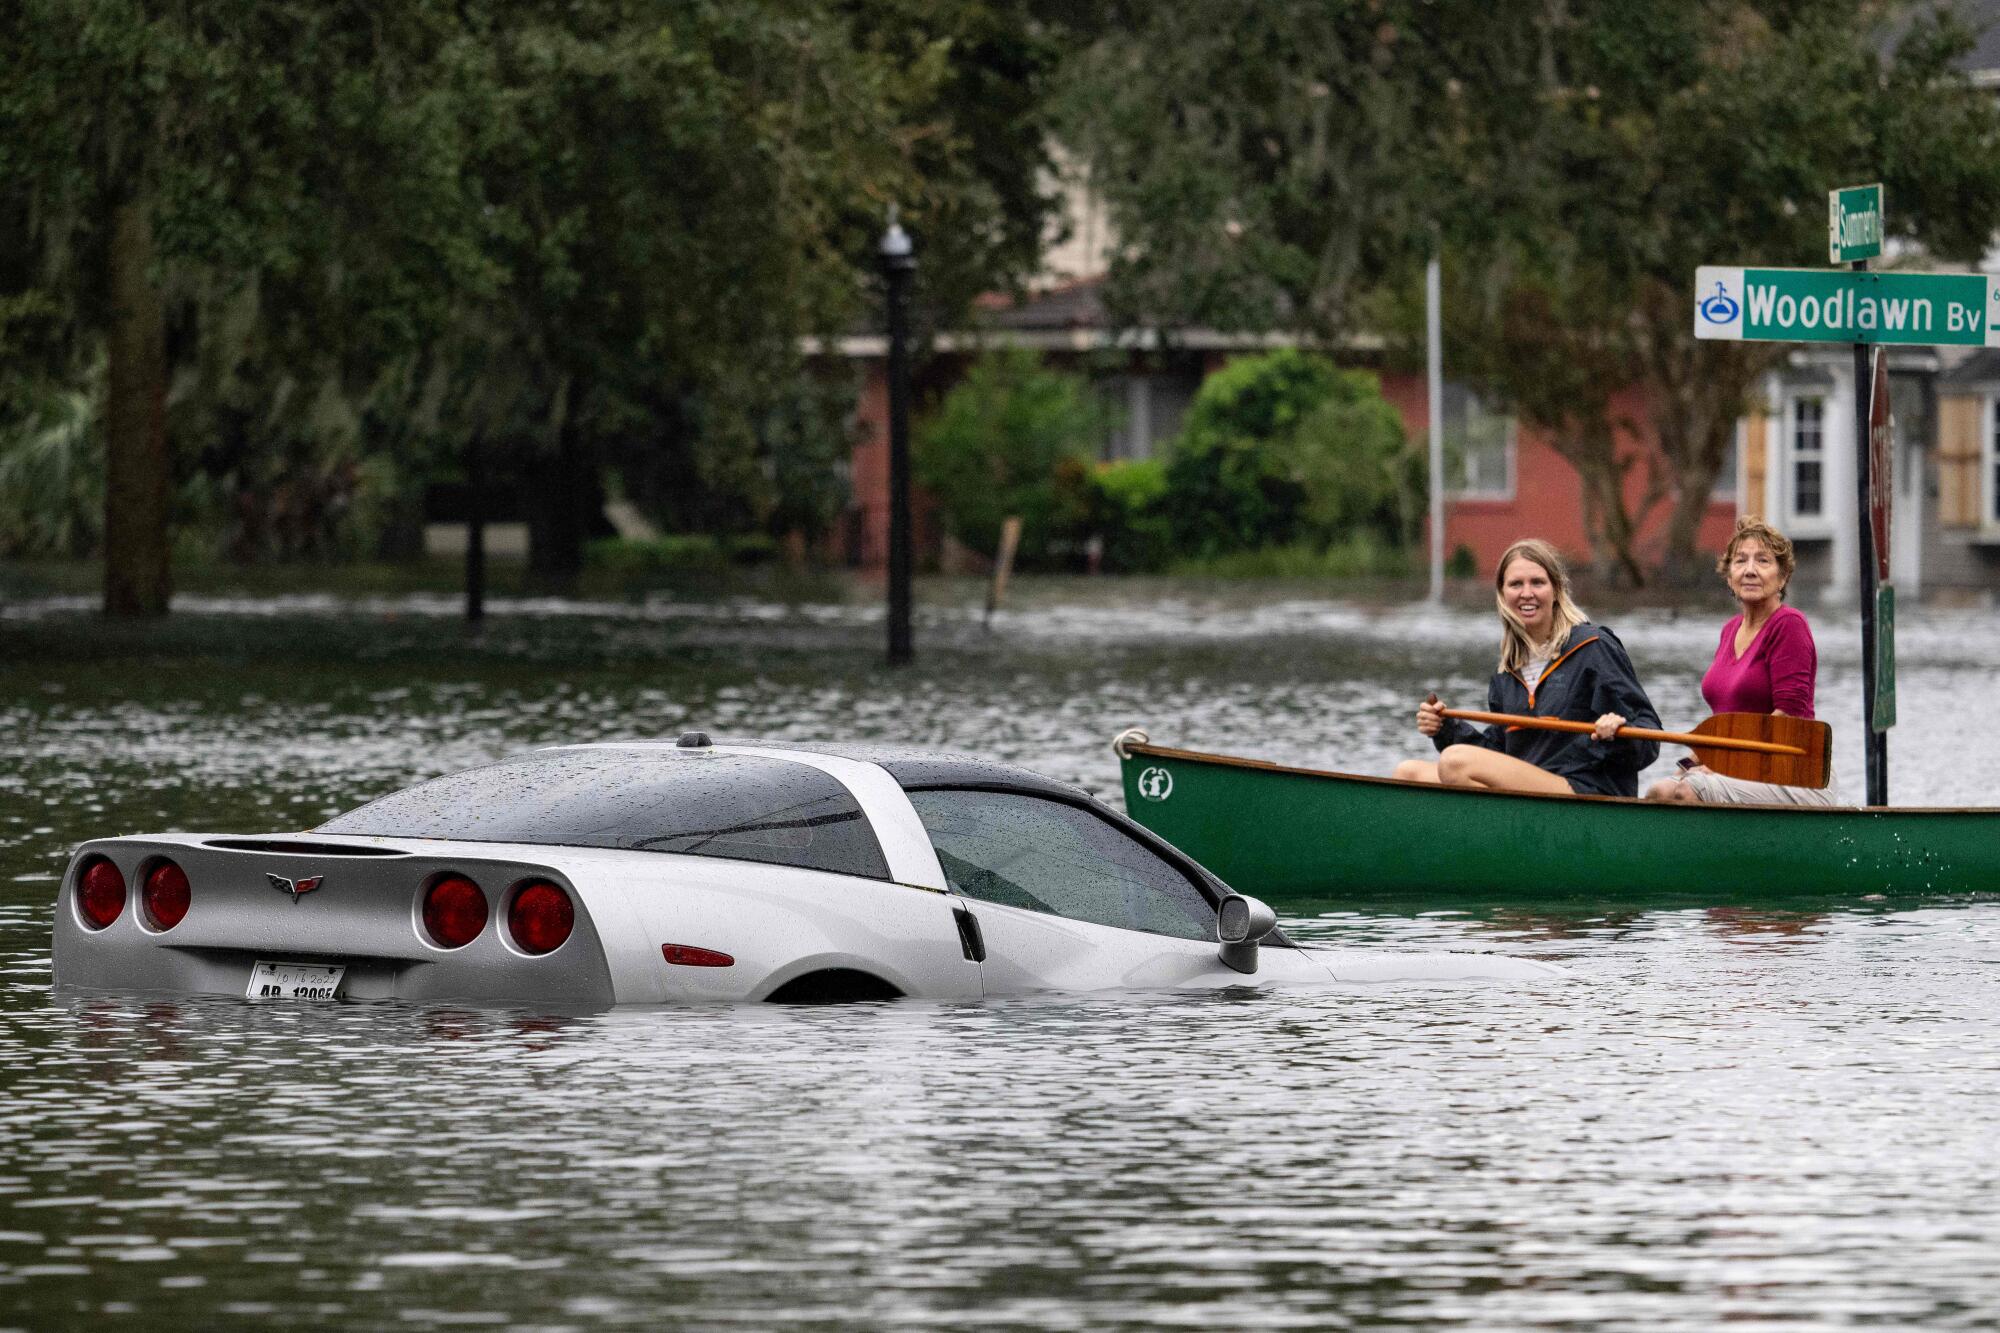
(911, 766)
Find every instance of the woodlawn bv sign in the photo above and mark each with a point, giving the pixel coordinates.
(1845, 306)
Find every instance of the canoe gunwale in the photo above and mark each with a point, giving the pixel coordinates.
(1136, 748)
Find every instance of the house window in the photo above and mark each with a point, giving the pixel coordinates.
(1146, 412)
(1479, 446)
(1727, 481)
(1131, 418)
(1989, 466)
(1808, 460)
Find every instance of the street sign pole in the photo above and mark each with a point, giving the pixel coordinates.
(898, 266)
(1855, 221)
(1875, 743)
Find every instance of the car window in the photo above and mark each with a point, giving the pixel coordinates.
(742, 807)
(1046, 856)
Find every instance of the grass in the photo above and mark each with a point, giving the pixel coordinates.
(1358, 557)
(438, 575)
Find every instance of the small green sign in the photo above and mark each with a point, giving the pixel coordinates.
(1885, 657)
(1838, 306)
(1854, 223)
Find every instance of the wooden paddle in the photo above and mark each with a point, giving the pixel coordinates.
(1757, 747)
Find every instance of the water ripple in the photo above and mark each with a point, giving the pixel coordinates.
(1735, 1115)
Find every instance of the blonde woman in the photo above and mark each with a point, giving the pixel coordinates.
(1553, 663)
(1765, 662)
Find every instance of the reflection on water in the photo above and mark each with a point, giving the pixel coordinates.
(1738, 1113)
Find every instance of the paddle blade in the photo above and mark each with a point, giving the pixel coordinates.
(1814, 768)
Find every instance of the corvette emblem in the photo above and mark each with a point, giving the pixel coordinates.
(296, 887)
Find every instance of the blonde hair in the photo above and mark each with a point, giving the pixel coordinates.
(1565, 615)
(1752, 528)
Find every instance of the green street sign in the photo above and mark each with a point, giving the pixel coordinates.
(1885, 657)
(1813, 305)
(1854, 223)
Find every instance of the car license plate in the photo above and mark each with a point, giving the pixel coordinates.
(294, 981)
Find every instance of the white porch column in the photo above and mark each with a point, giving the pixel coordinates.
(1906, 518)
(1139, 405)
(1837, 493)
(1775, 502)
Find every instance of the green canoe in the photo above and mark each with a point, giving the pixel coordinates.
(1296, 835)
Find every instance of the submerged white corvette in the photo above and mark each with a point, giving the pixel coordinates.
(650, 872)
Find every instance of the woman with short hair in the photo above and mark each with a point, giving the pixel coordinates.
(1765, 662)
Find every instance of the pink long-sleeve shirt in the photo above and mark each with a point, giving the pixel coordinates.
(1774, 675)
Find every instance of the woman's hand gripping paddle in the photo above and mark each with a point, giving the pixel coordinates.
(1756, 747)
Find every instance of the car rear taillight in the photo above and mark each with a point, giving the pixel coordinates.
(541, 917)
(165, 894)
(100, 893)
(454, 912)
(692, 955)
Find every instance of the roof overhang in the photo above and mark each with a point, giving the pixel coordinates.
(875, 346)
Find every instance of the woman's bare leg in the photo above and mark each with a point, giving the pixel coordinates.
(1416, 770)
(1476, 766)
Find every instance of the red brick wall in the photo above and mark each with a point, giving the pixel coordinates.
(868, 544)
(1548, 494)
(864, 538)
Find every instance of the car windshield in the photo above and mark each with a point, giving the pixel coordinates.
(742, 807)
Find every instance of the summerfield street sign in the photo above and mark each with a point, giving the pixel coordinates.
(1838, 306)
(1854, 223)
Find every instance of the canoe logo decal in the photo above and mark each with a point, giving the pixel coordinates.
(1156, 784)
(298, 888)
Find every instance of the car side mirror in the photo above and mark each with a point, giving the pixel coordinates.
(1241, 924)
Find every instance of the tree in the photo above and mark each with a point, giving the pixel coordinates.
(1255, 157)
(160, 163)
(1672, 136)
(678, 202)
(1286, 448)
(998, 443)
(1285, 165)
(675, 203)
(576, 233)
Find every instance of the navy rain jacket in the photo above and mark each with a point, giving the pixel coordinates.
(1592, 677)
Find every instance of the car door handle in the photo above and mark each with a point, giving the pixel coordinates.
(969, 936)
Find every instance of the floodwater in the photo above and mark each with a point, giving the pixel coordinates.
(1762, 1118)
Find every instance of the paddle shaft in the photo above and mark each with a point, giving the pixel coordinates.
(1634, 733)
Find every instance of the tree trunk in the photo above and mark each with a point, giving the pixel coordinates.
(1590, 449)
(138, 471)
(1613, 525)
(1682, 564)
(1698, 390)
(558, 517)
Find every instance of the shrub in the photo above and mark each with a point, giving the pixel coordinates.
(51, 473)
(1123, 505)
(806, 440)
(632, 560)
(1286, 448)
(1361, 556)
(996, 446)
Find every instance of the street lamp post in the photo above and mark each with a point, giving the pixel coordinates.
(899, 266)
(475, 530)
(1434, 383)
